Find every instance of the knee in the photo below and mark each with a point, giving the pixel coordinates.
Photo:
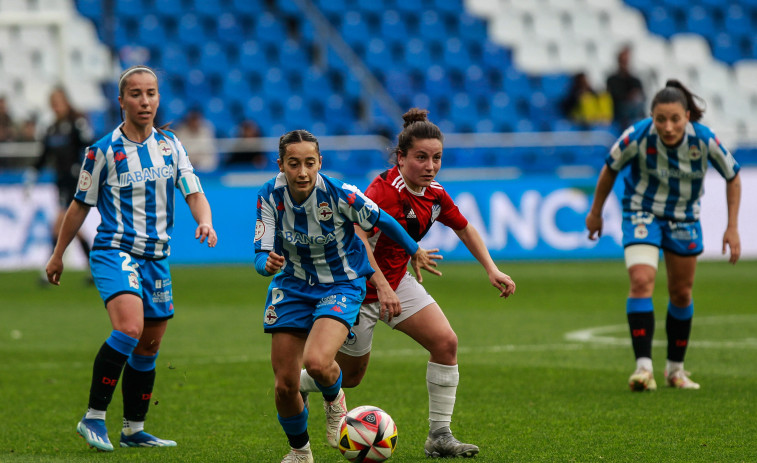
(352, 378)
(133, 330)
(445, 348)
(286, 387)
(642, 282)
(680, 296)
(318, 368)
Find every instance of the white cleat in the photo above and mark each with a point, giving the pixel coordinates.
(442, 444)
(335, 411)
(642, 380)
(679, 379)
(303, 455)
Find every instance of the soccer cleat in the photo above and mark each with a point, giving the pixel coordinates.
(142, 439)
(642, 380)
(442, 444)
(303, 455)
(335, 411)
(679, 379)
(95, 433)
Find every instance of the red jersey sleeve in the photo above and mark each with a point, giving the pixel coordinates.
(450, 214)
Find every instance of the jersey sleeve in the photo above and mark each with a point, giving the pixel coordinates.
(624, 149)
(721, 159)
(357, 207)
(186, 180)
(265, 225)
(450, 214)
(93, 173)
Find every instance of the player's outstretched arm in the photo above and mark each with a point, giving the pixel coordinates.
(731, 237)
(475, 244)
(605, 182)
(200, 208)
(390, 303)
(72, 222)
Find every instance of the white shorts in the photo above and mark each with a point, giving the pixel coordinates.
(413, 297)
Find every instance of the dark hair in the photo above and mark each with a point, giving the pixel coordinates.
(675, 92)
(73, 113)
(296, 136)
(416, 126)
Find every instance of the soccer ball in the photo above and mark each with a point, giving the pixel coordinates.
(367, 434)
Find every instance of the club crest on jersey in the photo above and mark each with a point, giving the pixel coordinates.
(164, 148)
(640, 232)
(436, 209)
(324, 211)
(259, 229)
(270, 317)
(85, 180)
(694, 152)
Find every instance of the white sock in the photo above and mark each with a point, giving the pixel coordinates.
(132, 427)
(670, 367)
(93, 414)
(307, 383)
(645, 363)
(441, 381)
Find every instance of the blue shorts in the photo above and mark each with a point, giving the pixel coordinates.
(682, 238)
(117, 272)
(294, 305)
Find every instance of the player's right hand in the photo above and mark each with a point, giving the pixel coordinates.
(274, 263)
(594, 225)
(54, 269)
(425, 259)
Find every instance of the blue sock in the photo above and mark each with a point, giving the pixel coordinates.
(296, 428)
(121, 342)
(330, 393)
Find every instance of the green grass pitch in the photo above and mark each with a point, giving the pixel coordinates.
(543, 374)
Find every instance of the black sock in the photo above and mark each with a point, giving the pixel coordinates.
(137, 389)
(105, 373)
(641, 325)
(299, 440)
(678, 337)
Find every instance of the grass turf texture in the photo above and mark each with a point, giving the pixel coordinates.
(526, 393)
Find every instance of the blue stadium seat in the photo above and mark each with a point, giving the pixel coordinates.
(168, 7)
(269, 30)
(475, 82)
(409, 6)
(660, 22)
(236, 86)
(437, 83)
(229, 30)
(174, 59)
(377, 56)
(151, 32)
(463, 112)
(197, 88)
(276, 85)
(432, 27)
(292, 57)
(297, 113)
(129, 8)
(250, 8)
(454, 7)
(206, 8)
(495, 56)
(417, 55)
(393, 26)
(472, 29)
(699, 21)
(252, 57)
(288, 8)
(213, 59)
(190, 30)
(370, 6)
(315, 84)
(353, 28)
(737, 21)
(555, 86)
(456, 55)
(725, 49)
(642, 5)
(91, 9)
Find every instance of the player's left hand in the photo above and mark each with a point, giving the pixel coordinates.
(390, 303)
(425, 259)
(503, 283)
(731, 239)
(205, 231)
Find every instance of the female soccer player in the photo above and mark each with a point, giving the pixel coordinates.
(666, 158)
(130, 175)
(410, 194)
(305, 229)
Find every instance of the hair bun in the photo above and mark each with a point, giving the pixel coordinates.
(414, 115)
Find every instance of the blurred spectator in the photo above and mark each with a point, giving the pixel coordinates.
(246, 153)
(27, 131)
(197, 135)
(64, 145)
(626, 91)
(585, 106)
(7, 130)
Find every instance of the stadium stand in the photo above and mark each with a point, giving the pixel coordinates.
(478, 65)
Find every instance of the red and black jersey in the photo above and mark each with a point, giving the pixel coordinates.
(415, 212)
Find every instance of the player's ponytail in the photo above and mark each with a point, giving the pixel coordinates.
(416, 126)
(296, 136)
(676, 92)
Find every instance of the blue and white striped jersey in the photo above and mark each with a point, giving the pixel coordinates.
(668, 182)
(317, 238)
(132, 184)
